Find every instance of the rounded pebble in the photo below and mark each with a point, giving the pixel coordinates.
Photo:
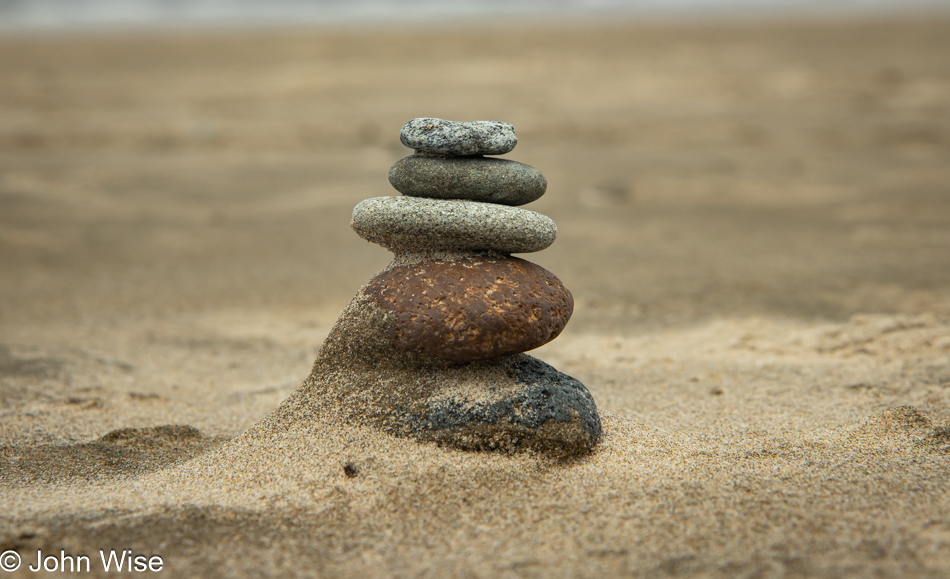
(417, 225)
(458, 138)
(473, 308)
(476, 179)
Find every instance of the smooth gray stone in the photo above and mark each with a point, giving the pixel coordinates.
(458, 138)
(472, 178)
(417, 225)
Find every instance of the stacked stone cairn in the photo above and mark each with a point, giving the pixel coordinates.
(432, 347)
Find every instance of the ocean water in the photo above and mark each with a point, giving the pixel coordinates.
(58, 14)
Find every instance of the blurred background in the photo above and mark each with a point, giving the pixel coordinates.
(753, 203)
(705, 158)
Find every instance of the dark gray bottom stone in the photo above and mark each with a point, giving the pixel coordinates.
(550, 411)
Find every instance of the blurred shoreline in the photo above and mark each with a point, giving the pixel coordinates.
(93, 16)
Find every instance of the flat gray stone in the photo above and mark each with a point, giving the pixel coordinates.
(417, 225)
(472, 178)
(458, 138)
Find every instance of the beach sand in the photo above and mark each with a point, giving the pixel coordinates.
(754, 219)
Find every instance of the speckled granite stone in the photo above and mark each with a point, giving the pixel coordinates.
(411, 224)
(473, 178)
(458, 138)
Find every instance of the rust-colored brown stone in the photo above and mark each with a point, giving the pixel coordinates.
(472, 308)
